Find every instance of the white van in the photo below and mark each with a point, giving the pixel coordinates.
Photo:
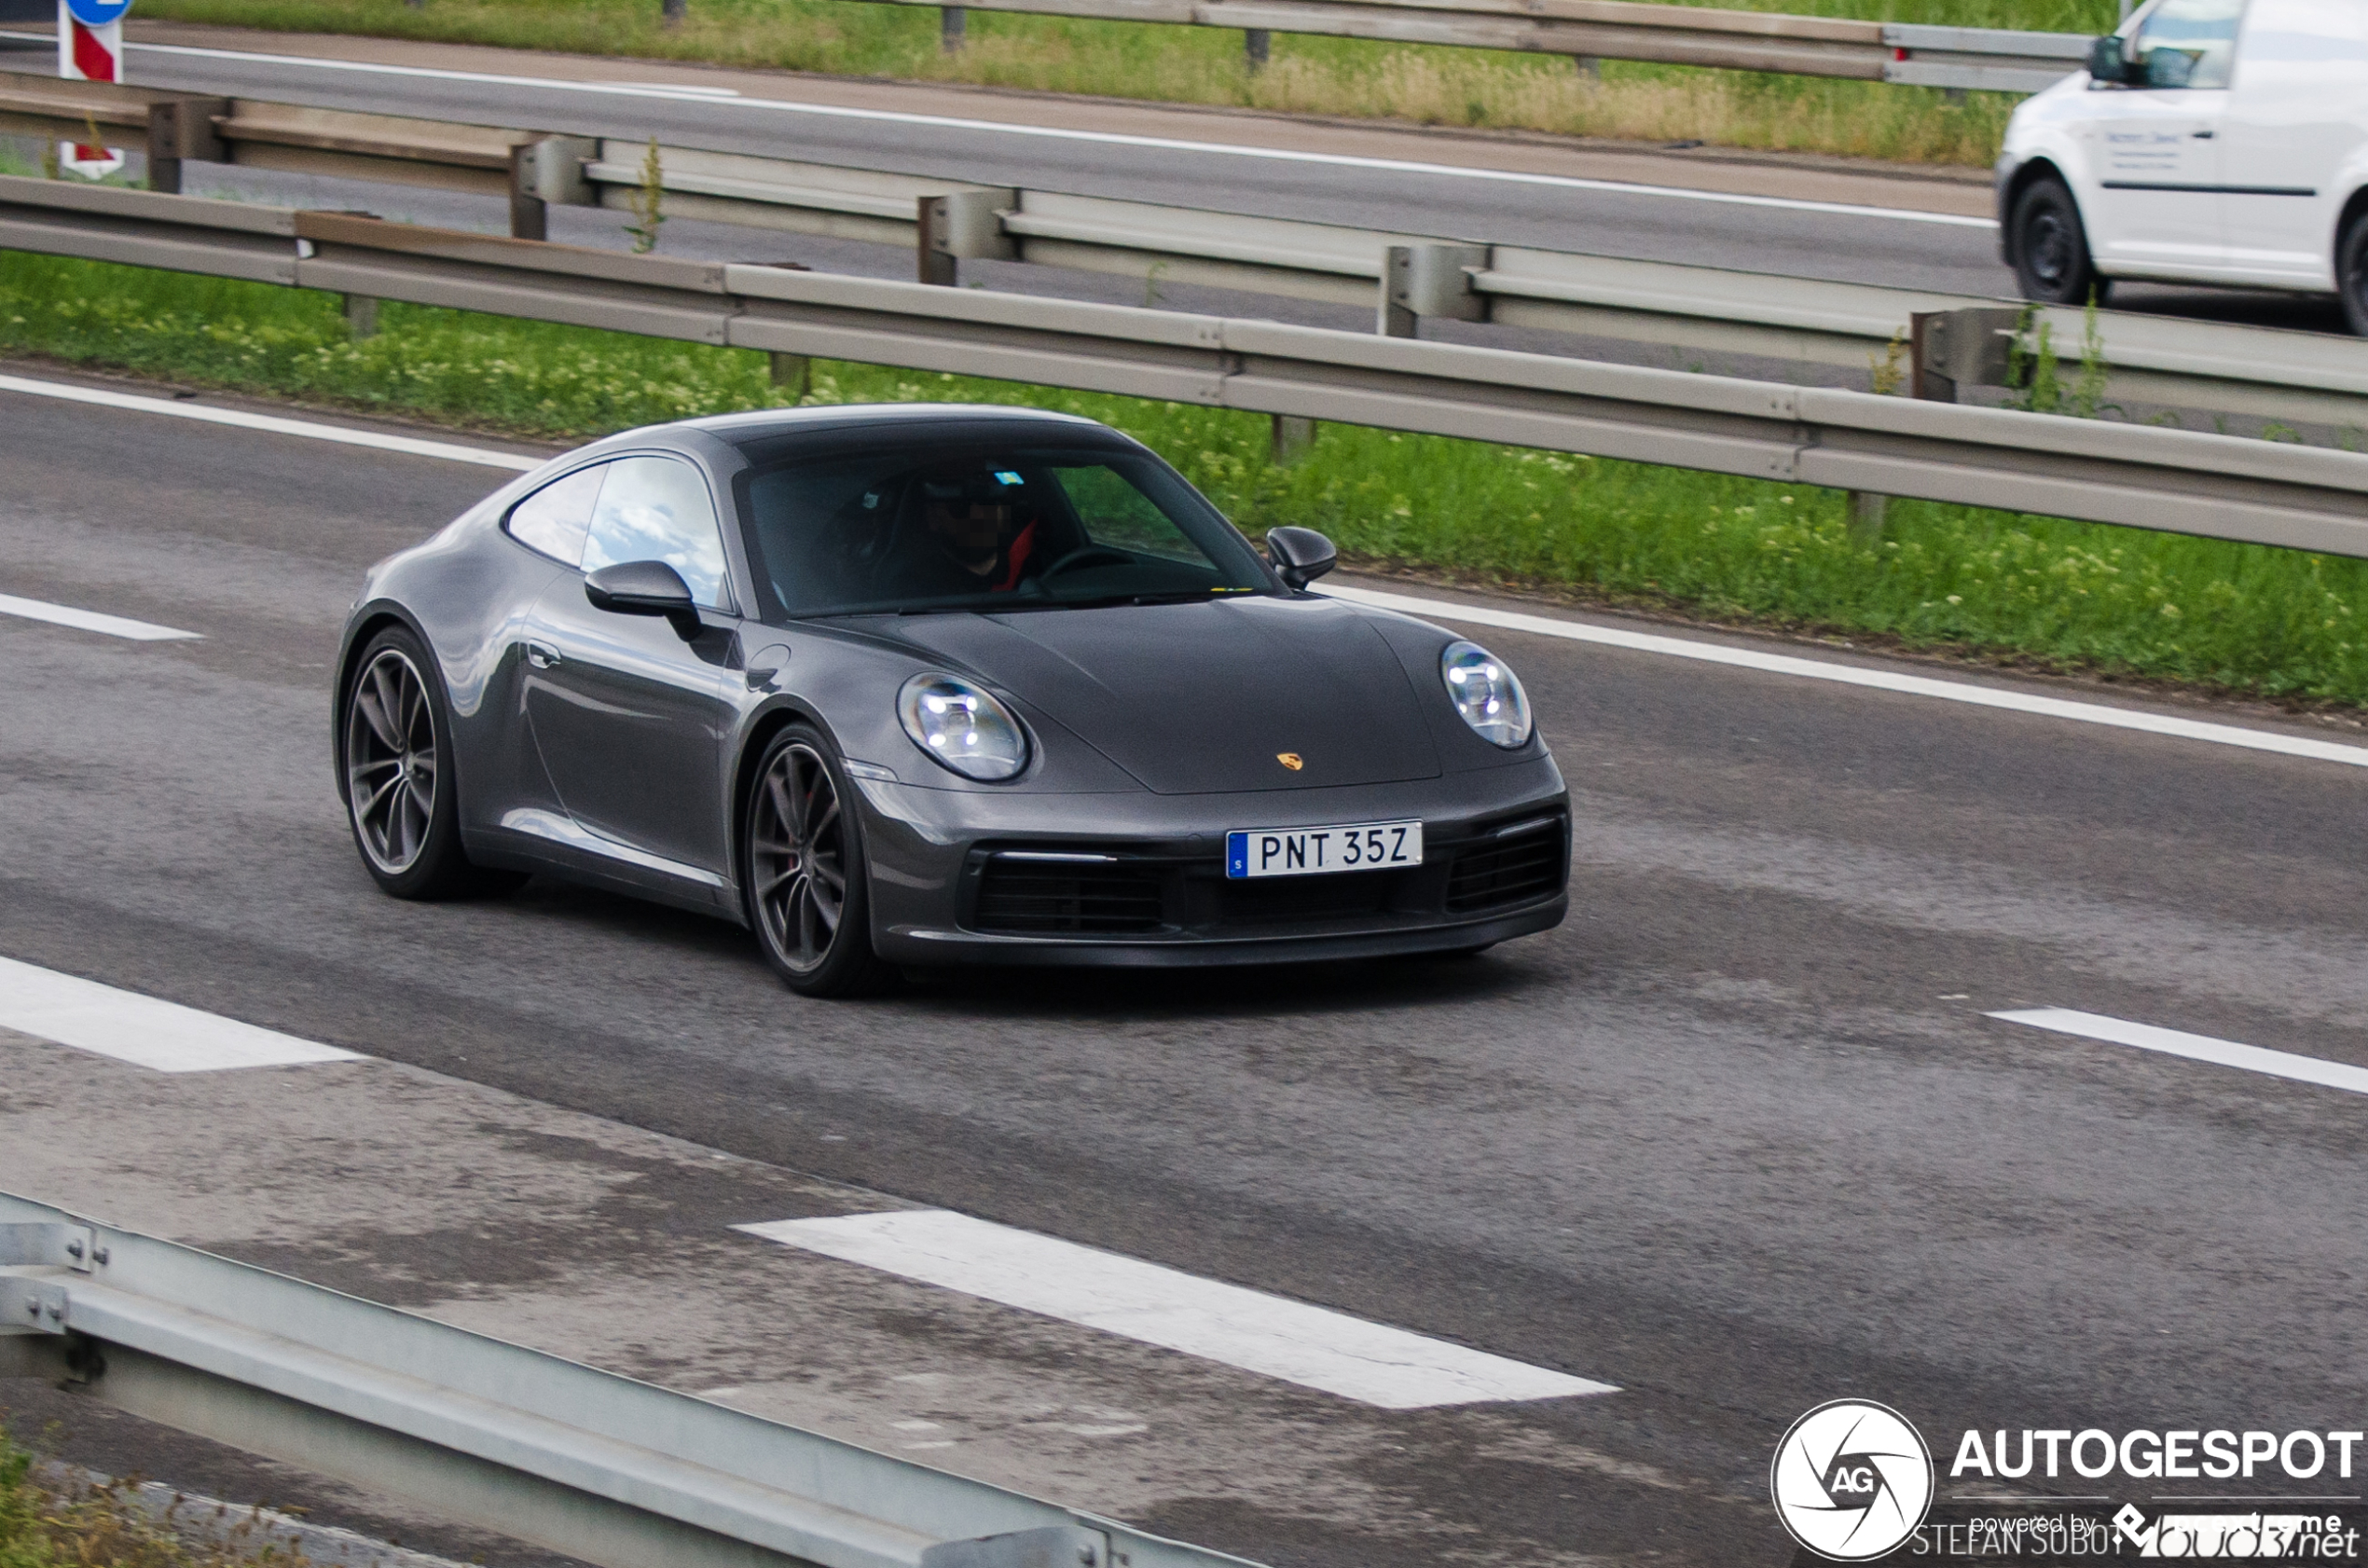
(2209, 142)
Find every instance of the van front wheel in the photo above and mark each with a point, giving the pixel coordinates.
(2351, 275)
(2050, 247)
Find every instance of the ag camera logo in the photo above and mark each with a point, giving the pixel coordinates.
(1853, 1479)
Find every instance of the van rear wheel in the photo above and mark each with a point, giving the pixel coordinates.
(2049, 246)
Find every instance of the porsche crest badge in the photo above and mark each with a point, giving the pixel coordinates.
(1290, 759)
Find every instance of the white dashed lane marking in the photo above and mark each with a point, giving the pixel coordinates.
(2196, 1047)
(142, 1030)
(90, 620)
(1313, 1346)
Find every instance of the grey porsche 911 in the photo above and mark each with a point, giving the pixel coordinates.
(903, 687)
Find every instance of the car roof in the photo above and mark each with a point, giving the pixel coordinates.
(765, 423)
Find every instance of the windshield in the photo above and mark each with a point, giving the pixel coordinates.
(1000, 528)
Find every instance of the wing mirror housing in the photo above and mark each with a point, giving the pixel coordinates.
(645, 589)
(1301, 556)
(2108, 59)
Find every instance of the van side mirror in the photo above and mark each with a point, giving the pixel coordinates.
(2107, 60)
(645, 589)
(1301, 556)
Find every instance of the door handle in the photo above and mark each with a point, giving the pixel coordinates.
(2202, 135)
(542, 655)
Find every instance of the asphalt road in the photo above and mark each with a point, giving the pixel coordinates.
(1736, 1138)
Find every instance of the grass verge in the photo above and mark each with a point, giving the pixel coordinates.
(2068, 595)
(1426, 85)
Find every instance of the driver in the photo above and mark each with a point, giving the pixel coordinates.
(975, 524)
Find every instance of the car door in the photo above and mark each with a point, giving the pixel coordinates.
(2154, 144)
(2293, 119)
(631, 719)
(509, 788)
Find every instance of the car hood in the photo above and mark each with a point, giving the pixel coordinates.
(1194, 698)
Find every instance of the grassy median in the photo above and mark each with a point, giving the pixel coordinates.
(2071, 596)
(1426, 85)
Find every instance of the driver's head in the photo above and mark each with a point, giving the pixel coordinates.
(973, 521)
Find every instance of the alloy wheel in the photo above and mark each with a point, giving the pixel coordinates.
(391, 760)
(798, 853)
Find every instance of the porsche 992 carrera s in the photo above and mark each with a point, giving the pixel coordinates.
(916, 686)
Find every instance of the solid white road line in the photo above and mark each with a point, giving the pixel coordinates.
(1855, 675)
(2196, 1047)
(142, 1030)
(1106, 138)
(411, 446)
(1257, 1332)
(89, 620)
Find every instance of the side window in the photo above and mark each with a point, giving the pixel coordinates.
(2189, 43)
(554, 518)
(656, 509)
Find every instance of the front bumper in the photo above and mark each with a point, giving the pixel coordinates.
(1138, 880)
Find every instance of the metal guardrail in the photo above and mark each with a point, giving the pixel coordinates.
(2299, 377)
(2179, 481)
(600, 1467)
(177, 126)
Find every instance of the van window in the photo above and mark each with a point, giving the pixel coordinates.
(2189, 43)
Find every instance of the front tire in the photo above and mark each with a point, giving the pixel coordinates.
(803, 871)
(2050, 247)
(402, 795)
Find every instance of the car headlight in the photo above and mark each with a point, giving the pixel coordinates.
(960, 725)
(1485, 694)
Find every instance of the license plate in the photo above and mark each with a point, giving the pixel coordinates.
(1309, 851)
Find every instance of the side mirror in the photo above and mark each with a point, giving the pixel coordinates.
(645, 589)
(2107, 61)
(1301, 556)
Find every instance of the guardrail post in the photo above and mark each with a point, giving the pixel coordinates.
(1866, 511)
(962, 224)
(529, 217)
(794, 371)
(1591, 68)
(1258, 46)
(1953, 348)
(1419, 280)
(1290, 439)
(670, 12)
(953, 24)
(555, 170)
(361, 316)
(180, 128)
(547, 169)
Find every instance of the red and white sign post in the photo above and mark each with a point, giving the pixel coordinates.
(90, 49)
